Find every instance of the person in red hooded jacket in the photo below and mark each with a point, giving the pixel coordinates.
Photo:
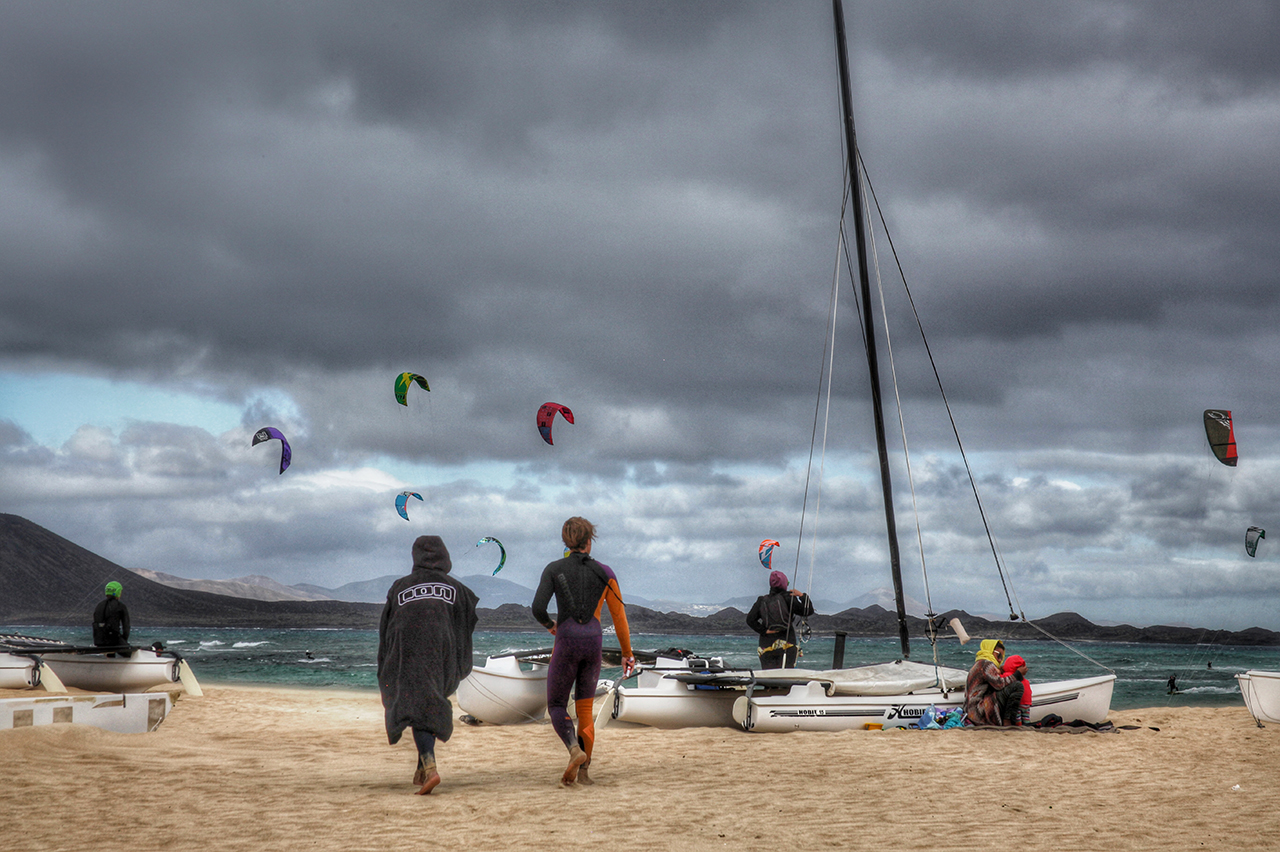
(1017, 713)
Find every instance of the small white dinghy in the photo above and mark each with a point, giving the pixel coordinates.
(137, 671)
(19, 671)
(506, 690)
(1261, 691)
(96, 669)
(510, 689)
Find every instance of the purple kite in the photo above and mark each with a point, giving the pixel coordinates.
(266, 433)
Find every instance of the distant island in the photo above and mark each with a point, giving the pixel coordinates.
(47, 580)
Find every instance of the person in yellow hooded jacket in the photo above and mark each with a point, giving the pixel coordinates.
(986, 687)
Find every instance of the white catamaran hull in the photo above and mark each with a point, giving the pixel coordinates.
(501, 692)
(668, 703)
(1261, 691)
(688, 693)
(137, 672)
(126, 714)
(18, 672)
(809, 707)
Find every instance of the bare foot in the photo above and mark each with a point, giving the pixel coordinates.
(583, 778)
(426, 765)
(577, 757)
(431, 782)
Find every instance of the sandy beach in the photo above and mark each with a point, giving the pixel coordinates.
(247, 768)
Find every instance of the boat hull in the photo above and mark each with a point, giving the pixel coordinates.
(138, 672)
(501, 692)
(18, 672)
(808, 707)
(124, 713)
(668, 703)
(1261, 691)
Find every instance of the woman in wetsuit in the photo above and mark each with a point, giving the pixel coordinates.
(581, 586)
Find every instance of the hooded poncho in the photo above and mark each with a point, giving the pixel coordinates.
(981, 698)
(424, 643)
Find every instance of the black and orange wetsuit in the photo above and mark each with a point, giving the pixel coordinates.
(581, 587)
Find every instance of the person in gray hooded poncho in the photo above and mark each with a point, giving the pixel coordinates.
(424, 652)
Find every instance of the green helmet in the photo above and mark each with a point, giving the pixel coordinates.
(114, 589)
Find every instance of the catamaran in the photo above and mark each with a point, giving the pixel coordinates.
(695, 692)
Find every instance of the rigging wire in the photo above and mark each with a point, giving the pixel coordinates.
(825, 371)
(973, 484)
(902, 428)
(1015, 609)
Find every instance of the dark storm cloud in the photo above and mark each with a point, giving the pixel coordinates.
(630, 209)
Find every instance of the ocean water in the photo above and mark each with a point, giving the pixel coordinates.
(347, 659)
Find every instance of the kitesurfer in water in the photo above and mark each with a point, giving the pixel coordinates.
(773, 617)
(424, 652)
(581, 587)
(111, 619)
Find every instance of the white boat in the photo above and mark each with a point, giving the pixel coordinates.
(821, 706)
(125, 669)
(19, 671)
(884, 694)
(136, 672)
(1261, 691)
(506, 690)
(510, 689)
(126, 714)
(664, 697)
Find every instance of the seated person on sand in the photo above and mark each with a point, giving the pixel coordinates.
(987, 692)
(1016, 710)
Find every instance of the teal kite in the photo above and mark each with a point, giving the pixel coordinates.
(502, 560)
(402, 502)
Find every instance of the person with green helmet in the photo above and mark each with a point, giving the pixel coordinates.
(111, 619)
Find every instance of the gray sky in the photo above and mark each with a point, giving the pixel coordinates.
(218, 217)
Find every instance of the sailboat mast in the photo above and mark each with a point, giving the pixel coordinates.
(864, 280)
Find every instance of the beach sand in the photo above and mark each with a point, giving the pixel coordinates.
(290, 769)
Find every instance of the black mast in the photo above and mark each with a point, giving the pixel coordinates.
(864, 279)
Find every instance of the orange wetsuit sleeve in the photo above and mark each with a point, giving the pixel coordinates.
(613, 595)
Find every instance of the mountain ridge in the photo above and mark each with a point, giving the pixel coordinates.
(46, 579)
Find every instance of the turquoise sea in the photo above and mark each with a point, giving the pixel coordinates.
(347, 659)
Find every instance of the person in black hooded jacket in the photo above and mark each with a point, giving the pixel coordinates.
(424, 652)
(773, 616)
